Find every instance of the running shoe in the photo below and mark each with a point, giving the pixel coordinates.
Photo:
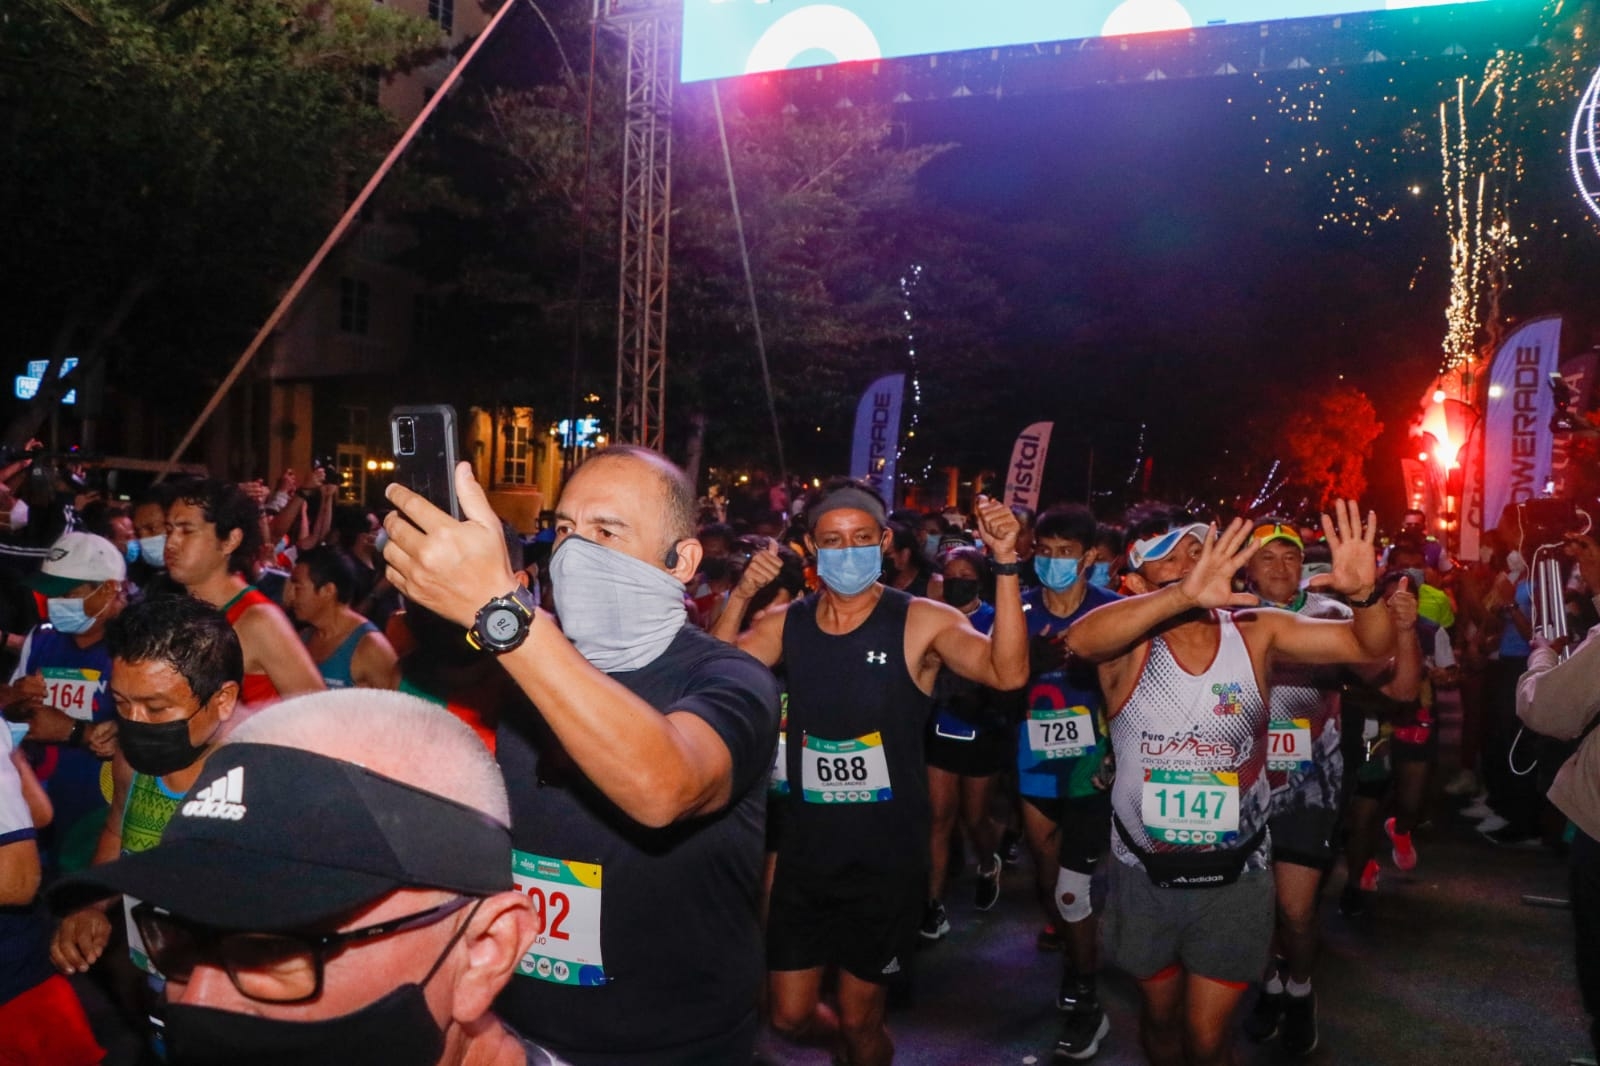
(1082, 1030)
(988, 884)
(1369, 876)
(1300, 1024)
(1492, 824)
(1478, 809)
(1463, 785)
(1073, 990)
(935, 923)
(1261, 1024)
(1509, 836)
(1011, 847)
(1404, 853)
(1049, 938)
(1353, 902)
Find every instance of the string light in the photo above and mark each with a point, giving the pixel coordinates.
(908, 288)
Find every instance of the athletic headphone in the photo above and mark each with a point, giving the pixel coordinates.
(671, 560)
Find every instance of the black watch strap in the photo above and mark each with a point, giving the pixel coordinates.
(1370, 601)
(75, 738)
(1005, 569)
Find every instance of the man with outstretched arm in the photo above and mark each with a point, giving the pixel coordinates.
(638, 785)
(861, 659)
(1190, 907)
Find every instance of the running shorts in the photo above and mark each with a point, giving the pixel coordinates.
(866, 924)
(984, 755)
(1222, 933)
(1085, 833)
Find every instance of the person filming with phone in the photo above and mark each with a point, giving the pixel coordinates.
(638, 784)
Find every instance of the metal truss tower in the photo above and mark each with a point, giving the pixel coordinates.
(649, 29)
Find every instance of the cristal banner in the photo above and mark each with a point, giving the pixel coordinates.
(727, 38)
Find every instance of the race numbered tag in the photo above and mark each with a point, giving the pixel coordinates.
(72, 691)
(566, 896)
(1289, 744)
(845, 771)
(1060, 734)
(1191, 807)
(136, 949)
(778, 780)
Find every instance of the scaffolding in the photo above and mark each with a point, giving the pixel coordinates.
(649, 29)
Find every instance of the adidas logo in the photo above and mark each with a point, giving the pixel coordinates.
(893, 967)
(220, 799)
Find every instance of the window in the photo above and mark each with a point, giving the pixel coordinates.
(355, 302)
(516, 452)
(444, 13)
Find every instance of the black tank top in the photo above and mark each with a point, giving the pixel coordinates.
(848, 695)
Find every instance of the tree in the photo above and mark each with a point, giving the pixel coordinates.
(1327, 441)
(170, 162)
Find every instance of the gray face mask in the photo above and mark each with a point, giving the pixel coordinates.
(620, 612)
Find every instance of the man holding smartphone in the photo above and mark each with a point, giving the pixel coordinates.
(638, 788)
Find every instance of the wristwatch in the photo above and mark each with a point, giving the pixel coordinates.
(1005, 569)
(502, 623)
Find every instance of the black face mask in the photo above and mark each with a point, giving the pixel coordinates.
(396, 1030)
(960, 591)
(156, 748)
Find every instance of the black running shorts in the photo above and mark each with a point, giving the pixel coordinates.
(1085, 834)
(866, 924)
(984, 755)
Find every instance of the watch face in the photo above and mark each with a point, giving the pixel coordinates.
(501, 625)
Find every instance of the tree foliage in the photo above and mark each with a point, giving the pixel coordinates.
(169, 163)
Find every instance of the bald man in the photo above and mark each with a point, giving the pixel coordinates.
(637, 782)
(336, 888)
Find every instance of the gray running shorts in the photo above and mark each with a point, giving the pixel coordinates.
(1221, 933)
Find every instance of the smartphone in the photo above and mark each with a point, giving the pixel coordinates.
(424, 440)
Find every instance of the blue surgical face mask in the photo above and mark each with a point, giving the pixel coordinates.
(153, 550)
(848, 571)
(18, 731)
(130, 551)
(1057, 575)
(930, 546)
(1100, 574)
(68, 616)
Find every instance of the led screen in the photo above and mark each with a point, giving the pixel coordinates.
(726, 38)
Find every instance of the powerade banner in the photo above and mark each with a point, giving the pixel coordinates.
(727, 38)
(1026, 471)
(877, 440)
(1517, 443)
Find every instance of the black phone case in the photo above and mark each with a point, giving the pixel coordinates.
(429, 470)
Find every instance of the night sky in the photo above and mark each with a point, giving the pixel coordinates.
(1160, 272)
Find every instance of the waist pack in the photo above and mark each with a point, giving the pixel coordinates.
(1193, 869)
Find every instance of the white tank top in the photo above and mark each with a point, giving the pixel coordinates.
(1191, 754)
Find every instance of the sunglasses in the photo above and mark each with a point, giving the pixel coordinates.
(1276, 531)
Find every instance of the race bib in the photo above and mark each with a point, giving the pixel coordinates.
(72, 691)
(845, 771)
(1289, 744)
(778, 780)
(1191, 807)
(136, 949)
(1060, 734)
(566, 897)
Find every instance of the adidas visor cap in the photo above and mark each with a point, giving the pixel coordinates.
(275, 839)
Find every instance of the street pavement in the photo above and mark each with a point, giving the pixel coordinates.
(1449, 967)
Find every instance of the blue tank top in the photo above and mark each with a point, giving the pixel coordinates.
(336, 668)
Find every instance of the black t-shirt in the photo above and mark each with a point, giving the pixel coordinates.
(680, 938)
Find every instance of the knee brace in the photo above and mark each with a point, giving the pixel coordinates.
(1072, 895)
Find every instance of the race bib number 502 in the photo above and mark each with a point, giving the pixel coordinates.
(566, 897)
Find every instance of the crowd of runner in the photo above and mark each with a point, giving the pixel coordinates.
(677, 768)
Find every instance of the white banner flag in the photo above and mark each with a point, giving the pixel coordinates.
(1518, 444)
(1026, 472)
(877, 438)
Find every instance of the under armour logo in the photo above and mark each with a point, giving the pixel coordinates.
(878, 658)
